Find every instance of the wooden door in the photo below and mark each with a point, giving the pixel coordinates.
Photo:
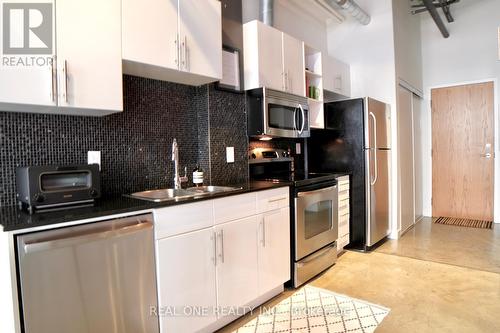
(463, 151)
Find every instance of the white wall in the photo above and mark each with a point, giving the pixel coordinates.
(291, 20)
(469, 54)
(370, 52)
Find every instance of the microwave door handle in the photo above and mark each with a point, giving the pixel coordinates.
(303, 119)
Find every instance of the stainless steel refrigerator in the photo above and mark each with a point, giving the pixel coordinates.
(357, 140)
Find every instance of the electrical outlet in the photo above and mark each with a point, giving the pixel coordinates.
(230, 154)
(298, 149)
(94, 157)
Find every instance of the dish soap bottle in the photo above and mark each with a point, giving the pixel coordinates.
(198, 176)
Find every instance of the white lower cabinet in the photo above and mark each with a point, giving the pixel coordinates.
(274, 249)
(186, 276)
(223, 265)
(237, 262)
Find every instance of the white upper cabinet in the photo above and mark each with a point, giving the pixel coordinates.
(173, 40)
(89, 54)
(293, 65)
(336, 76)
(83, 73)
(263, 56)
(28, 85)
(150, 32)
(272, 59)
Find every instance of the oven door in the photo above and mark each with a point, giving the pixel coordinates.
(286, 118)
(316, 220)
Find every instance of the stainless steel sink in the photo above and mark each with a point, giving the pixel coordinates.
(212, 189)
(162, 195)
(177, 194)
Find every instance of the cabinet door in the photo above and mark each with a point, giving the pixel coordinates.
(150, 32)
(22, 82)
(270, 57)
(237, 267)
(293, 63)
(200, 31)
(186, 278)
(88, 35)
(274, 249)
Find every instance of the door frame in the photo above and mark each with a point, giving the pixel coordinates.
(496, 136)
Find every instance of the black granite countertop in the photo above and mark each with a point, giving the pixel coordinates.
(13, 219)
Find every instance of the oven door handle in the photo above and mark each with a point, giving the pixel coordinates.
(326, 189)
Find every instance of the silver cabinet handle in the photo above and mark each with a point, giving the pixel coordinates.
(214, 240)
(65, 73)
(303, 119)
(277, 199)
(263, 232)
(53, 72)
(176, 43)
(374, 147)
(183, 54)
(221, 255)
(186, 53)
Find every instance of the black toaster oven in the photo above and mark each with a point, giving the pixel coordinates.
(44, 187)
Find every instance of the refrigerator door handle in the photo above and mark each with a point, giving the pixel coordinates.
(372, 115)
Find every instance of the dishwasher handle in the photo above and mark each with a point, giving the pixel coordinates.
(78, 235)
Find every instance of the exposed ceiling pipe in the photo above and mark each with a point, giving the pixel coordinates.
(354, 10)
(266, 14)
(435, 16)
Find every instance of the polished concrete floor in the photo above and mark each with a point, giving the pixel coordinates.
(436, 278)
(460, 246)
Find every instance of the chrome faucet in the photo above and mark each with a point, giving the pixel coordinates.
(178, 180)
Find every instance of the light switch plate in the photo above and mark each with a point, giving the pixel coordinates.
(298, 149)
(94, 157)
(230, 154)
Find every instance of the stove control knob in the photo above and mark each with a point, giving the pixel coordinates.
(285, 154)
(39, 197)
(94, 193)
(254, 156)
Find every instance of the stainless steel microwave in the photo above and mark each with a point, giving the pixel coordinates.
(277, 114)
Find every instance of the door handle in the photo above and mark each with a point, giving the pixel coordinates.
(487, 151)
(372, 115)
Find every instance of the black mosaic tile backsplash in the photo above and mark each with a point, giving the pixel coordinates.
(136, 144)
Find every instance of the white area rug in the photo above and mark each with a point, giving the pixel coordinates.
(312, 309)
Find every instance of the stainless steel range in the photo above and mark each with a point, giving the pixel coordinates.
(314, 211)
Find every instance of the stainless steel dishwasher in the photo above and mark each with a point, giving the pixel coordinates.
(91, 278)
